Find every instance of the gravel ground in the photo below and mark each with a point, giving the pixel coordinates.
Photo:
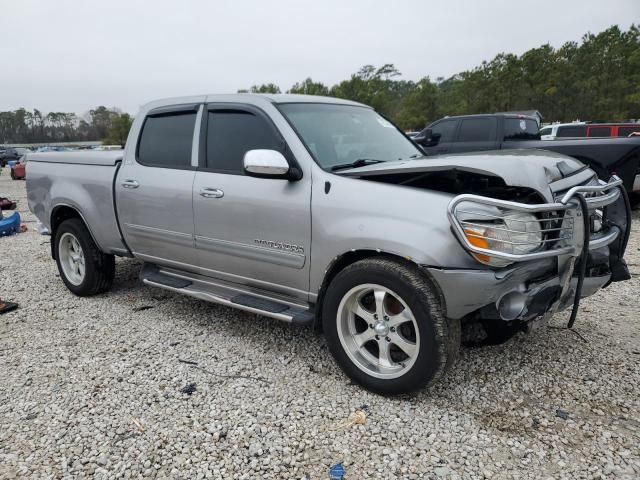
(91, 387)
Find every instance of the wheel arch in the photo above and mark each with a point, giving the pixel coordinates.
(341, 262)
(59, 214)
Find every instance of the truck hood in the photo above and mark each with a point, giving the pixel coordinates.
(530, 168)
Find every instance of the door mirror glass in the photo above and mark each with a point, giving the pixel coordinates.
(266, 163)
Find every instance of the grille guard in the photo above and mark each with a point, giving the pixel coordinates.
(570, 236)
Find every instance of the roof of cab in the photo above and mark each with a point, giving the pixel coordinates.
(250, 98)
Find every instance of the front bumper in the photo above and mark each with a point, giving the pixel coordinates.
(535, 283)
(542, 281)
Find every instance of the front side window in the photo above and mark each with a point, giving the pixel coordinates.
(446, 129)
(342, 134)
(231, 134)
(477, 130)
(522, 129)
(165, 140)
(546, 131)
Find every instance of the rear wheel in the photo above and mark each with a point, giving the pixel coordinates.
(385, 326)
(84, 269)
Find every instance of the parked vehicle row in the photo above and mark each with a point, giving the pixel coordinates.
(315, 210)
(472, 133)
(589, 130)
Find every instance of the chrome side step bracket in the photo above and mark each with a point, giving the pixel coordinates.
(235, 296)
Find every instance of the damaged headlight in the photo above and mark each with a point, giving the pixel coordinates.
(514, 233)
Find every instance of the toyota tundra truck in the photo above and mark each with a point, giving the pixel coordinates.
(319, 211)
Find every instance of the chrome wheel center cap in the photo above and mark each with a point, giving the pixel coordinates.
(381, 329)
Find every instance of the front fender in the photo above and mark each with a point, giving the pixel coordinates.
(364, 215)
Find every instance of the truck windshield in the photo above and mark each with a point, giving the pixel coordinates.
(344, 134)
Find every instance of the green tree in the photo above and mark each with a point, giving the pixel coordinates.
(119, 130)
(265, 88)
(309, 87)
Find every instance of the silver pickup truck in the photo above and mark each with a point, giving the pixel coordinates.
(320, 211)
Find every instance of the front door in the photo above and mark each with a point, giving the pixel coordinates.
(248, 230)
(154, 189)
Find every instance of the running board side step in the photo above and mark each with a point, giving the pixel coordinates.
(229, 295)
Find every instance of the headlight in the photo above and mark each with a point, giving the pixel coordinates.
(515, 233)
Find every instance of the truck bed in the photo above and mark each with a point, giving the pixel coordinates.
(81, 157)
(81, 180)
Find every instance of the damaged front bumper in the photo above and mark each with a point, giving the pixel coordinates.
(543, 281)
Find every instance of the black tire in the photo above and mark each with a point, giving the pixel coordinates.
(13, 175)
(634, 200)
(99, 267)
(439, 337)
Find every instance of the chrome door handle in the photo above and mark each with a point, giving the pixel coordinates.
(130, 184)
(211, 193)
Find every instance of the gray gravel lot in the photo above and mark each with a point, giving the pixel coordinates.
(91, 387)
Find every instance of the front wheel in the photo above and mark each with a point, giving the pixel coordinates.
(84, 269)
(385, 327)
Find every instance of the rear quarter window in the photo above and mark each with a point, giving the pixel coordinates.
(522, 129)
(626, 131)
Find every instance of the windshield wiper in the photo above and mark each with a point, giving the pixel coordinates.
(361, 162)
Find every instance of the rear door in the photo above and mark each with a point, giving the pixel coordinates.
(248, 230)
(474, 134)
(154, 189)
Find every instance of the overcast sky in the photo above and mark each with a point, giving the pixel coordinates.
(71, 55)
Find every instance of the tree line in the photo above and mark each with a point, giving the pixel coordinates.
(101, 123)
(595, 79)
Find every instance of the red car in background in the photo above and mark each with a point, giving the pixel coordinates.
(611, 129)
(19, 170)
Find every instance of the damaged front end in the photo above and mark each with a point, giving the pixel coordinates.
(542, 256)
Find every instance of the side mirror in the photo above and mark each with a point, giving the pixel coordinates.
(266, 163)
(427, 138)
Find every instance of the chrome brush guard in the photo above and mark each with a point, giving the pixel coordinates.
(556, 222)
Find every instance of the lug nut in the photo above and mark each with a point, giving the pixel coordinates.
(393, 329)
(375, 316)
(371, 325)
(377, 337)
(386, 319)
(388, 339)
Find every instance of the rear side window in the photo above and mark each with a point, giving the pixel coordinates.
(231, 133)
(571, 131)
(521, 129)
(477, 130)
(600, 132)
(626, 131)
(446, 129)
(166, 140)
